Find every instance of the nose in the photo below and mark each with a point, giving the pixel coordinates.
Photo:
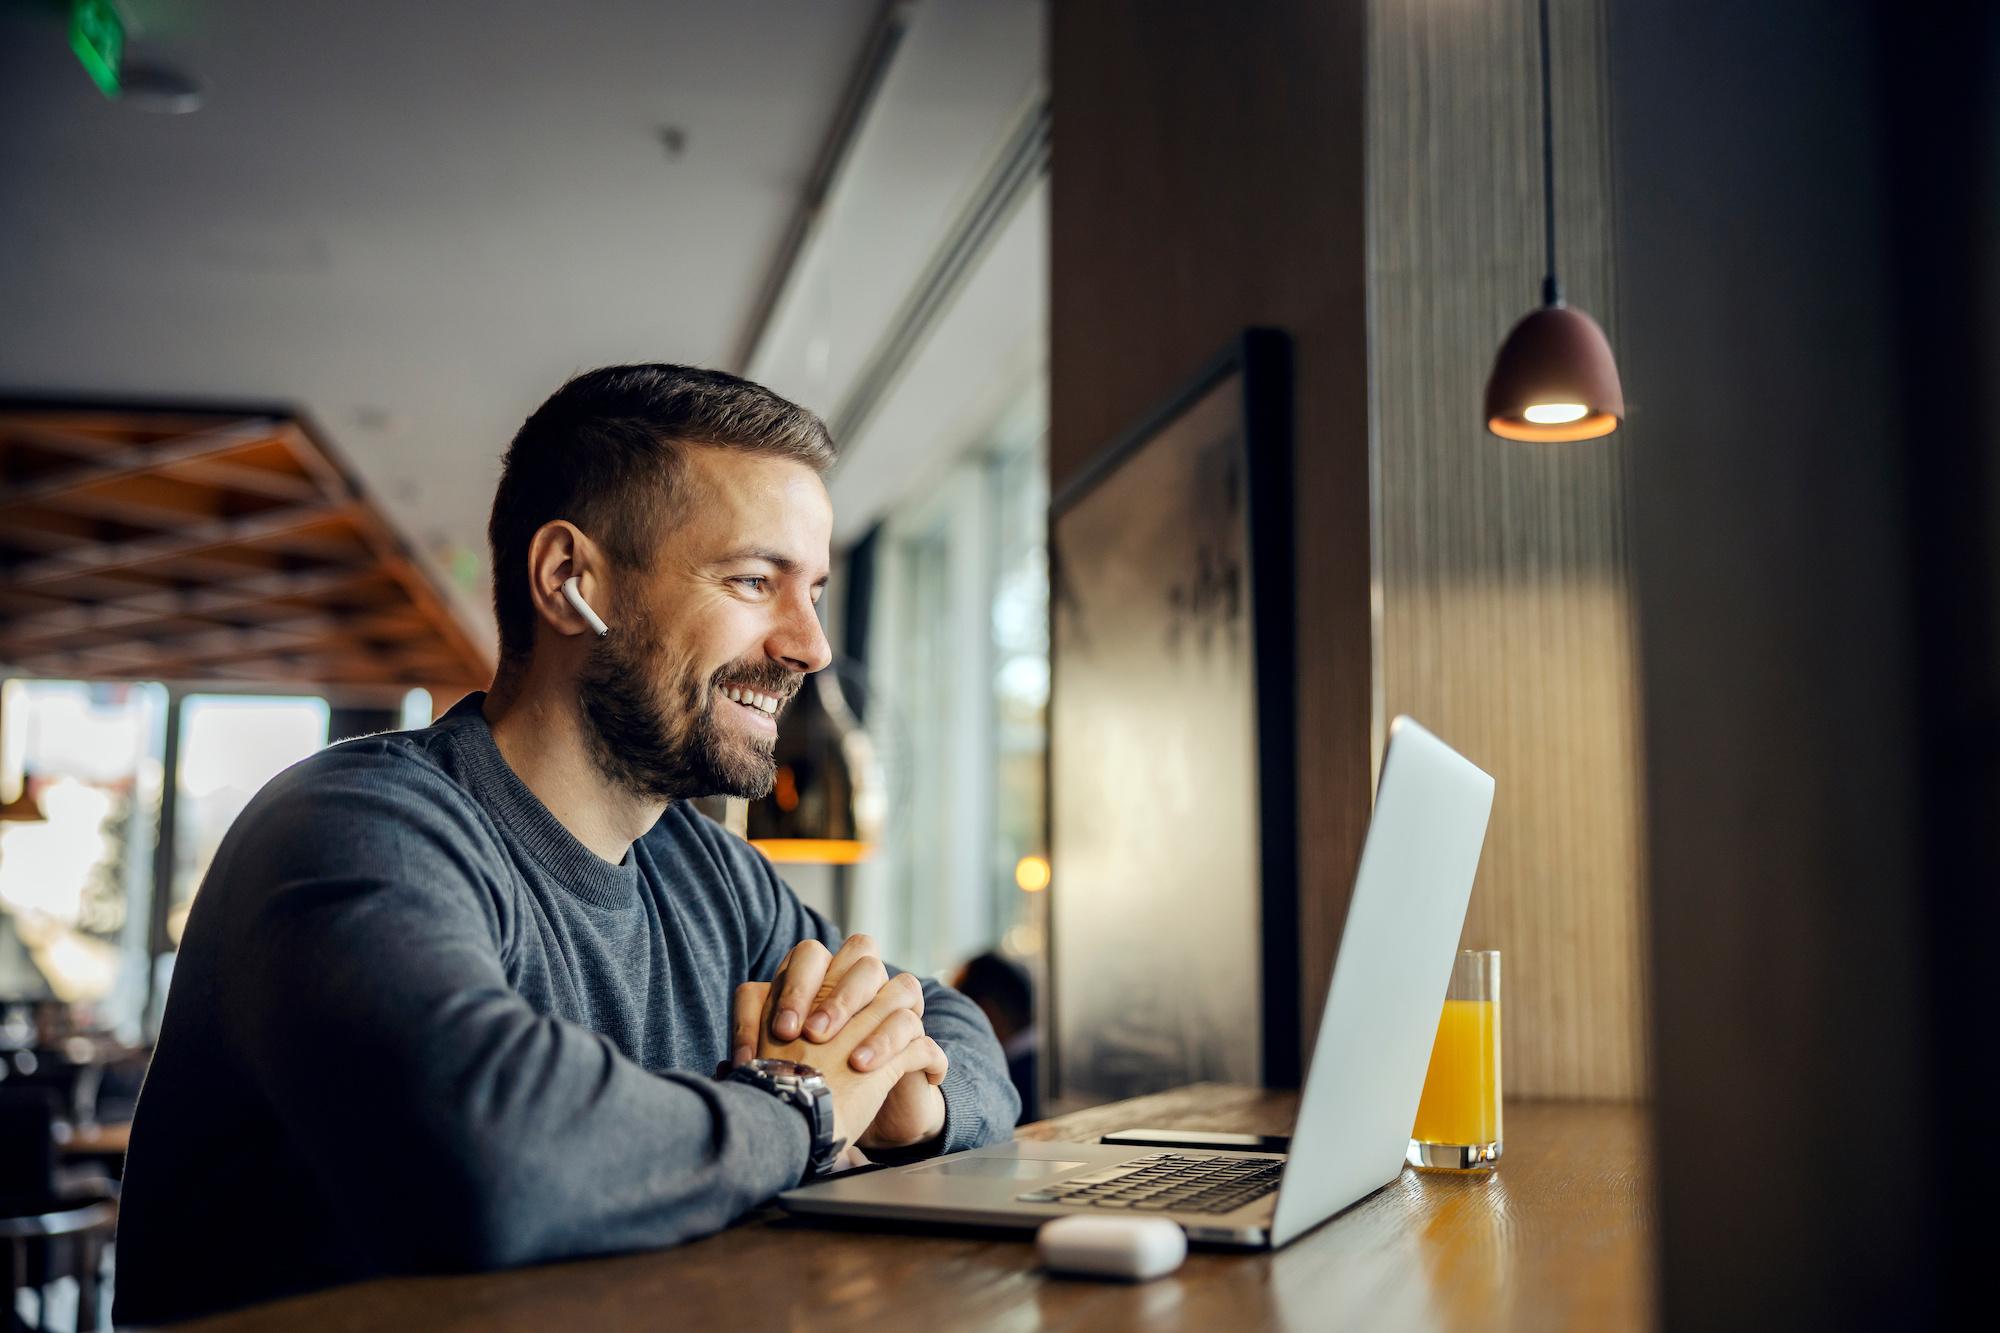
(798, 640)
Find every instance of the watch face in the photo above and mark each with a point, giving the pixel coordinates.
(784, 1069)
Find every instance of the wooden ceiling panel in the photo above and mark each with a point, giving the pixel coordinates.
(173, 545)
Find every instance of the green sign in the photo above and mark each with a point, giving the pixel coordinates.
(97, 35)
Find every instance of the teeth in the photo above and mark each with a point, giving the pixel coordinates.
(763, 703)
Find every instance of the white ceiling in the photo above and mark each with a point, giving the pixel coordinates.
(967, 76)
(411, 220)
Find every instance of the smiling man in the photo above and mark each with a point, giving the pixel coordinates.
(452, 998)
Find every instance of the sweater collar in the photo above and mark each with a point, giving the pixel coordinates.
(516, 807)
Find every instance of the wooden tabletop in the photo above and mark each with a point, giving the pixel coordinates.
(1559, 1237)
(112, 1140)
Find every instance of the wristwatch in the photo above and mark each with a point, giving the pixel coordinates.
(803, 1087)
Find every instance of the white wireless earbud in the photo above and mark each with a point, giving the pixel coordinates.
(590, 617)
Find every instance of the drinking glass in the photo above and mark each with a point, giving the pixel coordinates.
(1458, 1120)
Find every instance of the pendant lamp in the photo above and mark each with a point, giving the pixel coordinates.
(23, 807)
(1554, 378)
(827, 805)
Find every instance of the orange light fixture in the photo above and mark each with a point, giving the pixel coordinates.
(827, 794)
(1031, 874)
(1555, 378)
(814, 851)
(23, 809)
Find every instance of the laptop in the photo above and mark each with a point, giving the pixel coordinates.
(1362, 1086)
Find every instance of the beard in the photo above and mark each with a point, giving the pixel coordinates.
(661, 739)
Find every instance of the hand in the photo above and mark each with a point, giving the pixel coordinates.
(815, 995)
(880, 1049)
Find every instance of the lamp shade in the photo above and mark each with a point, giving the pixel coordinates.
(1554, 379)
(23, 809)
(826, 804)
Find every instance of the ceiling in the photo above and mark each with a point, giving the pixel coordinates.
(411, 221)
(197, 547)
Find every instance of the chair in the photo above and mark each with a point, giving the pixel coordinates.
(51, 1224)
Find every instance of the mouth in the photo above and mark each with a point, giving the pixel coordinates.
(758, 708)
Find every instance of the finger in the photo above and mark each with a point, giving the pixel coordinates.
(805, 969)
(854, 950)
(924, 1056)
(863, 982)
(747, 1019)
(901, 992)
(887, 1041)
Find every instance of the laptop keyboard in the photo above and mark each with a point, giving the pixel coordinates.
(1167, 1180)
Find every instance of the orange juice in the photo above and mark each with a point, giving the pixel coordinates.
(1461, 1102)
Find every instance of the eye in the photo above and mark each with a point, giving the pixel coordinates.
(754, 582)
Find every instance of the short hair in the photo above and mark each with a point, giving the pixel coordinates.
(605, 452)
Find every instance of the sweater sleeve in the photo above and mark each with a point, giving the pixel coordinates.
(450, 1123)
(981, 1105)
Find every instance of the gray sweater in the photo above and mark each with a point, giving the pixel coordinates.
(415, 1025)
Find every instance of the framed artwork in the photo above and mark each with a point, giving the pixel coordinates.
(1173, 734)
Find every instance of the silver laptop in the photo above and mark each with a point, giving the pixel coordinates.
(1362, 1088)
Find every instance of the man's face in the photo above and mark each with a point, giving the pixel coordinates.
(671, 697)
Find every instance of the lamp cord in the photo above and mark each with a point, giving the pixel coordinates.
(1551, 289)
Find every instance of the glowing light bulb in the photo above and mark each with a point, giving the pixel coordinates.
(1032, 874)
(1555, 414)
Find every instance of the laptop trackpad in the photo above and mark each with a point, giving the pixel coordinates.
(1011, 1168)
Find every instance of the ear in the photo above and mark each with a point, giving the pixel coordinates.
(558, 552)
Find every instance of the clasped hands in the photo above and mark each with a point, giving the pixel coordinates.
(843, 1014)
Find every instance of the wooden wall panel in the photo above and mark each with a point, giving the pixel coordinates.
(1505, 610)
(1207, 175)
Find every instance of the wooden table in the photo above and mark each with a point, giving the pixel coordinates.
(112, 1140)
(1560, 1237)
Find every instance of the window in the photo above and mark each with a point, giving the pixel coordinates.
(76, 888)
(958, 661)
(231, 745)
(78, 905)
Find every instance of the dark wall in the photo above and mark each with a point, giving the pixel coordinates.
(1806, 314)
(1207, 176)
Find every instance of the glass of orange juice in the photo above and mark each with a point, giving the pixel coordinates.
(1458, 1120)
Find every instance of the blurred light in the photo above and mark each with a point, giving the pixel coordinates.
(1023, 941)
(48, 868)
(1032, 874)
(814, 851)
(97, 35)
(417, 710)
(1555, 414)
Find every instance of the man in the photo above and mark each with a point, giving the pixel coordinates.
(1002, 989)
(452, 998)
